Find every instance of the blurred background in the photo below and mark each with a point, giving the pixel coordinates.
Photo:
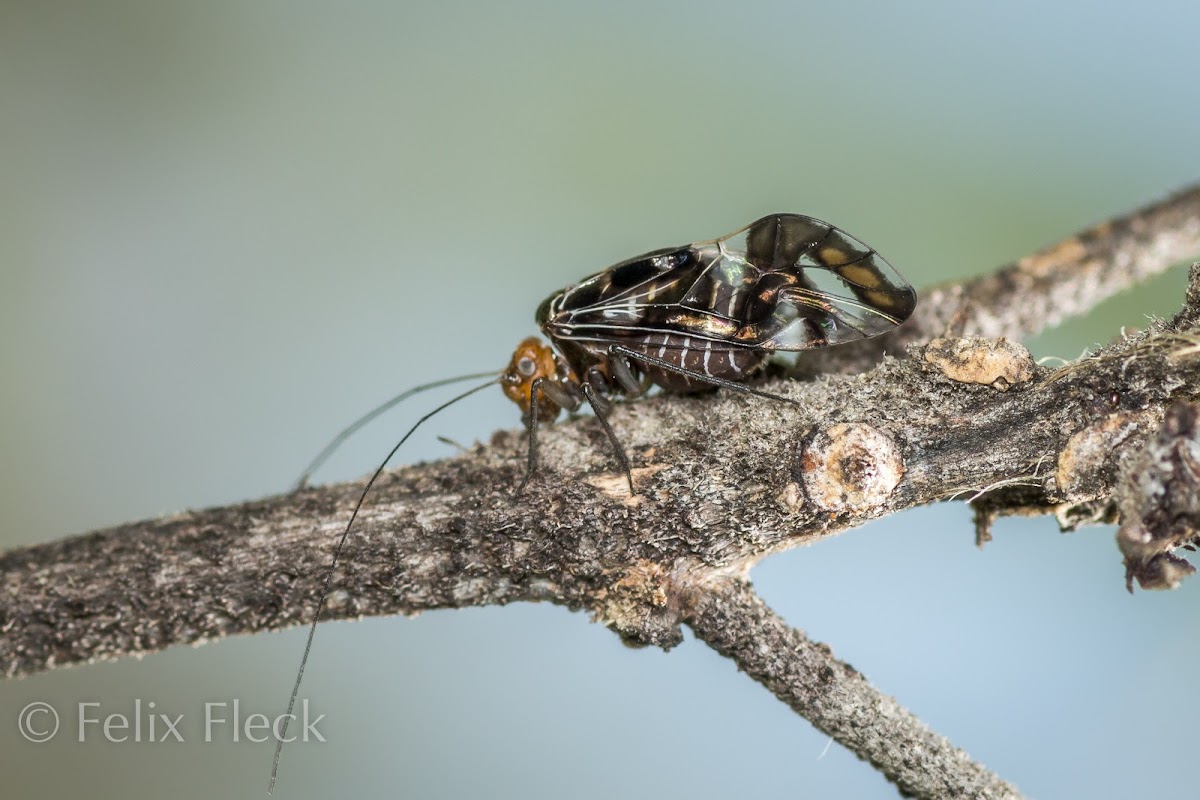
(226, 229)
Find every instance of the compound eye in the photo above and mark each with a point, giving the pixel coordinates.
(526, 367)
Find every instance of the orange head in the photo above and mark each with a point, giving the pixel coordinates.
(531, 360)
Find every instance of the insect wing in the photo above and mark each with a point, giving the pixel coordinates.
(607, 297)
(668, 291)
(816, 285)
(785, 282)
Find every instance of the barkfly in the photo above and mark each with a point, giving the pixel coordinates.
(684, 319)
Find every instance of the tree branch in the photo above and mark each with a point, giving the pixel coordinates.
(723, 481)
(835, 697)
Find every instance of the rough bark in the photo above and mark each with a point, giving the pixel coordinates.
(723, 480)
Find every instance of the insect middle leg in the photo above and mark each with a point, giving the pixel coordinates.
(623, 374)
(600, 406)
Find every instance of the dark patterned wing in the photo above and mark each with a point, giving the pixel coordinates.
(785, 282)
(677, 290)
(816, 285)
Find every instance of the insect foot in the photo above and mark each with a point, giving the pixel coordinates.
(850, 467)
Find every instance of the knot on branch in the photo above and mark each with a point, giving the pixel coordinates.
(1089, 463)
(638, 607)
(998, 363)
(1160, 502)
(850, 467)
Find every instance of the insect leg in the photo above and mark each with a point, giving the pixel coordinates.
(624, 375)
(535, 390)
(616, 350)
(560, 396)
(594, 379)
(597, 402)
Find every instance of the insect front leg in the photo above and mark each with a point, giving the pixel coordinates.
(560, 396)
(535, 391)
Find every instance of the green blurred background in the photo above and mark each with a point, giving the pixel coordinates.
(228, 228)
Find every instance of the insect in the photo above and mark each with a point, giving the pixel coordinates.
(701, 315)
(684, 319)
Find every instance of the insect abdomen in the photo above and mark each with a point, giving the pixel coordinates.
(705, 357)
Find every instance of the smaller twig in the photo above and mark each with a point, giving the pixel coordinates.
(835, 697)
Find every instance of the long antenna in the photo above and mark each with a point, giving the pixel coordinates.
(337, 551)
(315, 464)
